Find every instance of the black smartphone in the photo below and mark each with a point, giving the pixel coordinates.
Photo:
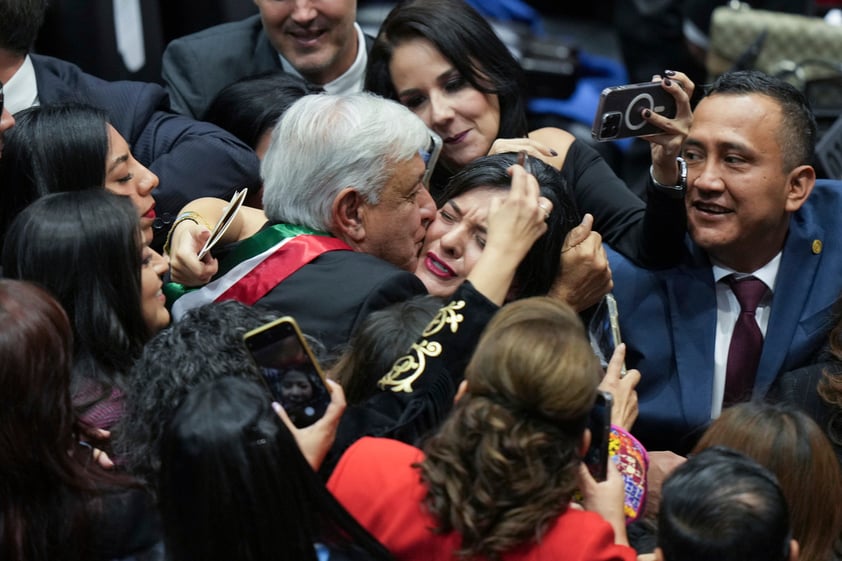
(619, 112)
(599, 422)
(289, 369)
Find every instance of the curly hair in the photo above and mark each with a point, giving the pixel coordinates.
(503, 466)
(207, 344)
(830, 386)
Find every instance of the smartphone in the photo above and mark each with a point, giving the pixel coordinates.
(430, 155)
(289, 370)
(604, 331)
(618, 114)
(599, 422)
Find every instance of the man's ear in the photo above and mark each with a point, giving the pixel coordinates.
(800, 182)
(347, 216)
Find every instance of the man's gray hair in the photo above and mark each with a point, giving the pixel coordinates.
(325, 143)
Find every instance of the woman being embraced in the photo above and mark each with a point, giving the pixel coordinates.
(496, 480)
(87, 249)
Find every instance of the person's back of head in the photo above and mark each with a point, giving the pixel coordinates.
(504, 465)
(51, 149)
(85, 248)
(20, 21)
(250, 108)
(723, 505)
(326, 143)
(797, 132)
(234, 484)
(206, 344)
(792, 446)
(382, 338)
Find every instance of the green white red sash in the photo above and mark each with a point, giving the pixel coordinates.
(256, 266)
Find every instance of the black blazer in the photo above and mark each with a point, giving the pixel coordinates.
(196, 67)
(191, 158)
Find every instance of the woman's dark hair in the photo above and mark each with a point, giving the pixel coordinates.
(542, 264)
(51, 149)
(382, 338)
(234, 485)
(43, 488)
(251, 106)
(85, 249)
(464, 38)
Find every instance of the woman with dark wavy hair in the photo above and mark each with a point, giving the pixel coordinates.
(87, 249)
(497, 479)
(55, 502)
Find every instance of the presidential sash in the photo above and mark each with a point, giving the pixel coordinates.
(256, 266)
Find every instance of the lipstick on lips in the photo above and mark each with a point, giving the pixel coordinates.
(150, 213)
(438, 267)
(456, 138)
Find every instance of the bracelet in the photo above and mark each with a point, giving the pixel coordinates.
(187, 215)
(682, 176)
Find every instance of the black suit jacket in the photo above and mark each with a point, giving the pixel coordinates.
(332, 294)
(191, 158)
(198, 66)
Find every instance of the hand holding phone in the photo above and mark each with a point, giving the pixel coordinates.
(619, 114)
(289, 370)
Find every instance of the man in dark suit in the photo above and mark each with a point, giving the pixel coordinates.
(347, 212)
(191, 159)
(755, 214)
(318, 41)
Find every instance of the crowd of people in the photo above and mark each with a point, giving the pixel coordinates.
(443, 261)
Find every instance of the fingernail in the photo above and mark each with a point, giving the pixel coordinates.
(553, 153)
(277, 407)
(667, 82)
(669, 72)
(647, 113)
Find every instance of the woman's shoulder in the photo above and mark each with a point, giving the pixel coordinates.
(558, 139)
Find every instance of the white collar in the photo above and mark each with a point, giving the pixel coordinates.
(21, 91)
(351, 80)
(768, 273)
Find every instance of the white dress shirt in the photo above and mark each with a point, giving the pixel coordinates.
(21, 91)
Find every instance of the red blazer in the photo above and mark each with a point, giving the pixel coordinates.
(376, 482)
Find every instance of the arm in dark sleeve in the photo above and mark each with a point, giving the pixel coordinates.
(651, 235)
(192, 159)
(417, 394)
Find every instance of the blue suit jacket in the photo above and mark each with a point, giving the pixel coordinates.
(191, 158)
(668, 321)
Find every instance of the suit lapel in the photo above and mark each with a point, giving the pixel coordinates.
(692, 299)
(799, 263)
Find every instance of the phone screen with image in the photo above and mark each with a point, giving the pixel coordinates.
(289, 370)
